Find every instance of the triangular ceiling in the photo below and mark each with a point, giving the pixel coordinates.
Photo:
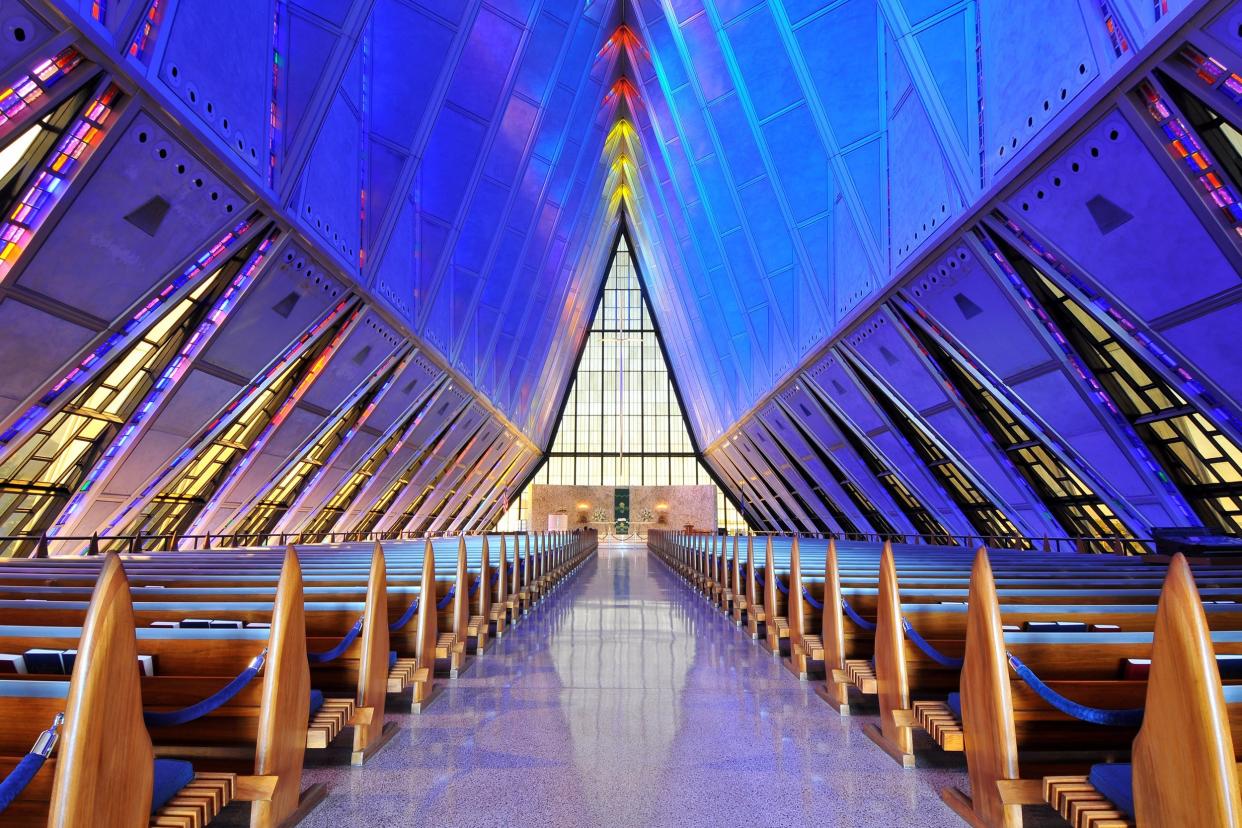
(450, 175)
(467, 162)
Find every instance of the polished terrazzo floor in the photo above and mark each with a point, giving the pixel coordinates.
(624, 699)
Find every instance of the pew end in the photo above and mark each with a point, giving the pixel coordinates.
(989, 740)
(426, 627)
(835, 689)
(891, 683)
(373, 670)
(283, 721)
(104, 744)
(1184, 743)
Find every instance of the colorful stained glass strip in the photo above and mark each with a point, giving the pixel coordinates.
(1212, 72)
(86, 368)
(144, 38)
(51, 181)
(173, 374)
(274, 132)
(1183, 145)
(20, 95)
(1116, 36)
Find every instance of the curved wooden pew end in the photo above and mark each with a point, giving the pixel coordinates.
(1185, 743)
(104, 746)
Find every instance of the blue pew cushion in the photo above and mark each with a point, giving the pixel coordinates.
(316, 702)
(1055, 626)
(1115, 782)
(171, 775)
(392, 659)
(955, 705)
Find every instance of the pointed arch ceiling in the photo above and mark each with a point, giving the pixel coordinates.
(466, 161)
(449, 175)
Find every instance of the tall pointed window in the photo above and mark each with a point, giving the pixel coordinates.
(984, 515)
(918, 514)
(623, 424)
(1194, 454)
(1073, 503)
(46, 458)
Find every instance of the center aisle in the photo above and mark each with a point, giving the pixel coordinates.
(624, 699)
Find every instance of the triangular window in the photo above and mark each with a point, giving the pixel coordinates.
(622, 424)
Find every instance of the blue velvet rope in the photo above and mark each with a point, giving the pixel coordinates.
(447, 599)
(339, 650)
(474, 587)
(410, 612)
(1132, 717)
(810, 600)
(496, 576)
(19, 778)
(855, 617)
(928, 650)
(224, 695)
(784, 589)
(759, 578)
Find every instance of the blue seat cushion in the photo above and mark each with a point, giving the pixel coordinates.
(171, 775)
(955, 704)
(392, 659)
(1230, 667)
(1116, 783)
(316, 702)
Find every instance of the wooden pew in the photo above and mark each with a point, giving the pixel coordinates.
(1085, 674)
(1185, 764)
(105, 745)
(359, 676)
(242, 575)
(1003, 719)
(904, 668)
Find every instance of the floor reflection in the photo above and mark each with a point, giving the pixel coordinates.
(619, 636)
(624, 699)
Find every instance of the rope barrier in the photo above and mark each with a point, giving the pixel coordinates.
(928, 650)
(339, 650)
(447, 599)
(810, 600)
(410, 612)
(171, 718)
(1131, 717)
(20, 777)
(855, 617)
(783, 589)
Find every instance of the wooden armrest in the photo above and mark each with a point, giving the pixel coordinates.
(254, 788)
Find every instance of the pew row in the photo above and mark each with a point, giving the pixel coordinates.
(104, 744)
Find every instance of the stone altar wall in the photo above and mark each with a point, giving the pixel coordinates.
(685, 505)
